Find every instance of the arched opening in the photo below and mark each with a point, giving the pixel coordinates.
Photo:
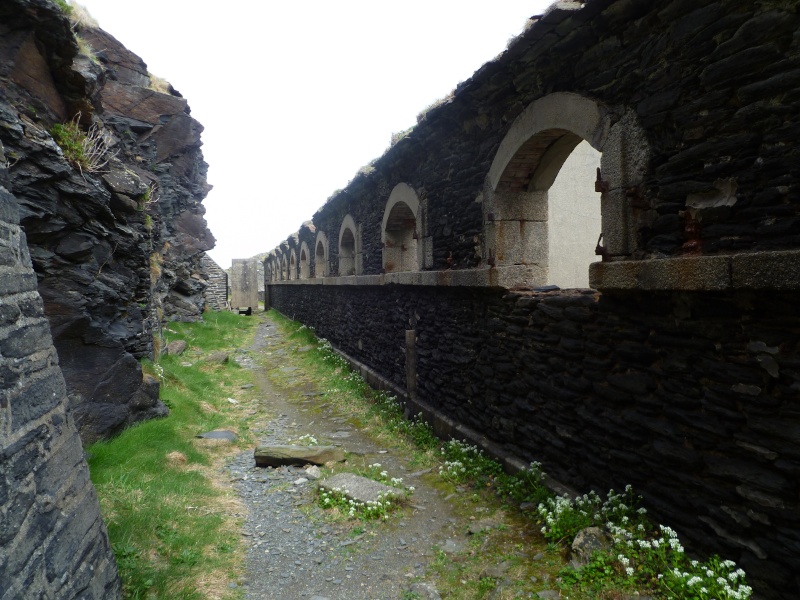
(284, 269)
(400, 232)
(347, 253)
(349, 248)
(321, 255)
(558, 180)
(573, 219)
(304, 263)
(292, 266)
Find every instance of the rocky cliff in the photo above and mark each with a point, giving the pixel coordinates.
(110, 178)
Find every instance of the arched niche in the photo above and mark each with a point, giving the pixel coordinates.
(304, 261)
(292, 264)
(321, 255)
(284, 269)
(349, 248)
(401, 231)
(516, 201)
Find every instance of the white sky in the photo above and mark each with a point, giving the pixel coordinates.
(296, 96)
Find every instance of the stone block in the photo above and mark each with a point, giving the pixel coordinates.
(36, 396)
(244, 284)
(779, 270)
(359, 489)
(278, 455)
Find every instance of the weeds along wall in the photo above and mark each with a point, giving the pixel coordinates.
(679, 372)
(53, 543)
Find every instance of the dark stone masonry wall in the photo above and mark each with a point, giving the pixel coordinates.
(53, 543)
(681, 374)
(715, 86)
(691, 398)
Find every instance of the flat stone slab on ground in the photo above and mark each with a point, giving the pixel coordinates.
(358, 488)
(279, 455)
(218, 434)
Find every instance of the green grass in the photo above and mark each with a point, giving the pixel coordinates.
(172, 526)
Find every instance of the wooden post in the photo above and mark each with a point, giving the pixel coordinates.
(411, 363)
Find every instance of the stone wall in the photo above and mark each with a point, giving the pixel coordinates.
(244, 284)
(678, 375)
(691, 398)
(53, 543)
(217, 284)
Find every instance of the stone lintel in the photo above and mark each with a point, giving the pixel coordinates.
(773, 270)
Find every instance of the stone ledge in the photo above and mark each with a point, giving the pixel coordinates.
(773, 270)
(503, 276)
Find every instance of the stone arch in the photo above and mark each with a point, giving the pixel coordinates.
(401, 230)
(292, 264)
(321, 255)
(284, 268)
(349, 247)
(528, 161)
(304, 261)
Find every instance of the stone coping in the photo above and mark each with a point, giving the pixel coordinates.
(769, 270)
(772, 270)
(506, 277)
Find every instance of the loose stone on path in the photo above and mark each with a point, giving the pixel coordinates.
(359, 489)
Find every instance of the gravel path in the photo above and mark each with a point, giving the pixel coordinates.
(294, 551)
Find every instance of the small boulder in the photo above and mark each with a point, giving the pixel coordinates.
(175, 347)
(218, 358)
(586, 542)
(358, 488)
(276, 456)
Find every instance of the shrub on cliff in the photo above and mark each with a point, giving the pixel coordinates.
(88, 152)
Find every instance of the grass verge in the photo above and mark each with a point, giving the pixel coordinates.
(173, 524)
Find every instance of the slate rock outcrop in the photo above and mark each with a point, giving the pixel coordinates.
(53, 543)
(117, 250)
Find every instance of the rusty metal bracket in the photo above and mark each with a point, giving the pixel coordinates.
(599, 184)
(599, 250)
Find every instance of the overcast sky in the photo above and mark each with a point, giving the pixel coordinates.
(296, 96)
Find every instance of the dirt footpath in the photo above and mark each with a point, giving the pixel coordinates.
(295, 551)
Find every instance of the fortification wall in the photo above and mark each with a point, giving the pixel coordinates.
(691, 398)
(679, 374)
(53, 543)
(216, 291)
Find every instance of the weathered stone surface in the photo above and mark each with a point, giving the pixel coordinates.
(175, 347)
(219, 434)
(53, 543)
(587, 542)
(359, 489)
(275, 456)
(218, 357)
(114, 251)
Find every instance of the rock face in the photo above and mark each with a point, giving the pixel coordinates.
(116, 249)
(53, 543)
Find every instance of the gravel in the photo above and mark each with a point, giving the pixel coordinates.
(295, 551)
